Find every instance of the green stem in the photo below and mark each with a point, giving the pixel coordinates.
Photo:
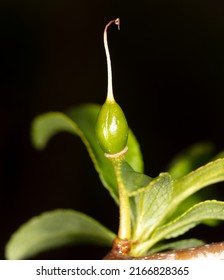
(124, 231)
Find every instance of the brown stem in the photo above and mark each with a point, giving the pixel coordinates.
(208, 251)
(121, 247)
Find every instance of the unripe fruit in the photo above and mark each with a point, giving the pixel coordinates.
(111, 126)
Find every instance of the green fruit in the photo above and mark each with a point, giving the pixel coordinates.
(112, 128)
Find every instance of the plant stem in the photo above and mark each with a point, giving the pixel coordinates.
(124, 231)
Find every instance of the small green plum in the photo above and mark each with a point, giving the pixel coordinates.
(111, 127)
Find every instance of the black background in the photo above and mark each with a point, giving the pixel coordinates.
(168, 69)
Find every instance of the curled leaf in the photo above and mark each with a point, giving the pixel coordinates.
(55, 229)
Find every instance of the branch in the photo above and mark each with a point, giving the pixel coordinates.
(208, 251)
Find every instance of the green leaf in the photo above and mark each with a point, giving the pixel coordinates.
(177, 245)
(190, 159)
(204, 194)
(132, 180)
(55, 229)
(197, 214)
(149, 206)
(47, 125)
(81, 121)
(206, 175)
(134, 155)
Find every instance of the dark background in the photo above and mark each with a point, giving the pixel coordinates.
(168, 69)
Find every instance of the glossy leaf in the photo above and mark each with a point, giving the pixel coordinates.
(56, 229)
(81, 121)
